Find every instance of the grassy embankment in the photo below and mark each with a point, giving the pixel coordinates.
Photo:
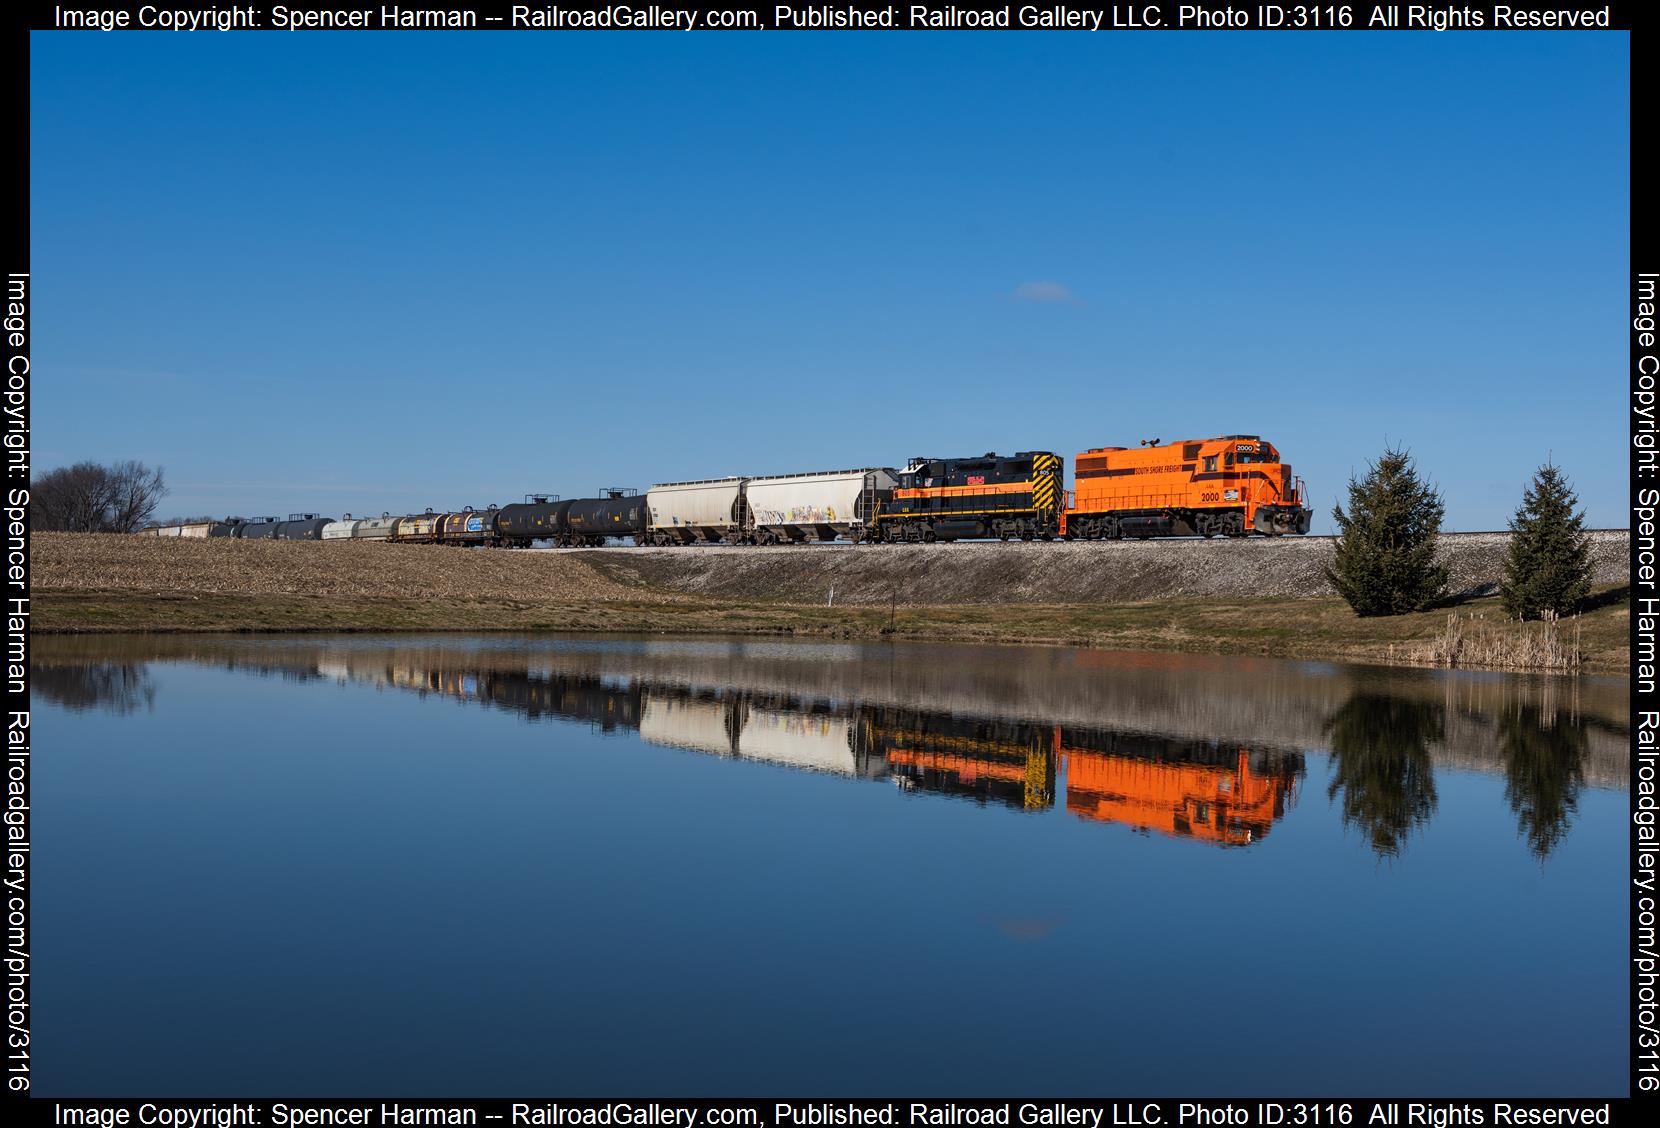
(101, 584)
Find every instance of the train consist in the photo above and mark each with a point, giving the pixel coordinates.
(1231, 486)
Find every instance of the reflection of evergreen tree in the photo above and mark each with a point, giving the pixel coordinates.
(120, 687)
(1544, 771)
(1381, 766)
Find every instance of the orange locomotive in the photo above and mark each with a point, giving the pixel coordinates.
(1231, 486)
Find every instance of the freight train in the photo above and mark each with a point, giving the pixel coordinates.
(1230, 486)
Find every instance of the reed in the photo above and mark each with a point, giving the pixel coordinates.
(1549, 645)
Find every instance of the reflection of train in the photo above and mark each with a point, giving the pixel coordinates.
(1231, 485)
(1231, 796)
(1209, 792)
(1009, 761)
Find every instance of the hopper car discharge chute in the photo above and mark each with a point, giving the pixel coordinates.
(1233, 485)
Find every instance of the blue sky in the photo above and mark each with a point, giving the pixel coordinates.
(338, 272)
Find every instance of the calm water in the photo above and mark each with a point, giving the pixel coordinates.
(575, 866)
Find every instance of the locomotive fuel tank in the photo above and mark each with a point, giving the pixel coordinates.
(818, 506)
(708, 511)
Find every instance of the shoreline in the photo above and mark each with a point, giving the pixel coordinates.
(1473, 632)
(1266, 598)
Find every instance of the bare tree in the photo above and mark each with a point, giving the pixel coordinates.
(89, 498)
(135, 491)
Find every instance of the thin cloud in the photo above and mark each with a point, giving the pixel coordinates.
(1043, 292)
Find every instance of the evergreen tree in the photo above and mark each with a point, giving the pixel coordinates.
(1549, 568)
(1384, 562)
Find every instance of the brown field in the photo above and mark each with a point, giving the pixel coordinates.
(112, 583)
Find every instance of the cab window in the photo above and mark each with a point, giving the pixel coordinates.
(1210, 463)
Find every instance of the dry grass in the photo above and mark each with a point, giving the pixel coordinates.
(1554, 645)
(161, 565)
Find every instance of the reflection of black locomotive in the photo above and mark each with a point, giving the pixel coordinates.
(1008, 762)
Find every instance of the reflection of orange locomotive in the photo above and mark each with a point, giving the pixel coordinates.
(1230, 797)
(1221, 795)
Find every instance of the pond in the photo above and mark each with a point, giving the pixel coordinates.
(449, 865)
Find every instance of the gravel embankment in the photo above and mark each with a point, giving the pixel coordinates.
(1096, 572)
(1082, 572)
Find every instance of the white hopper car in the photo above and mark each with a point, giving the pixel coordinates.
(773, 510)
(800, 507)
(689, 512)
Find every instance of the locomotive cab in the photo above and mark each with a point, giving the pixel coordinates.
(1273, 496)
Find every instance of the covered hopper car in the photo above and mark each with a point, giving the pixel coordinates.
(709, 511)
(821, 506)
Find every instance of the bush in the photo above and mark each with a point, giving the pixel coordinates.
(1385, 558)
